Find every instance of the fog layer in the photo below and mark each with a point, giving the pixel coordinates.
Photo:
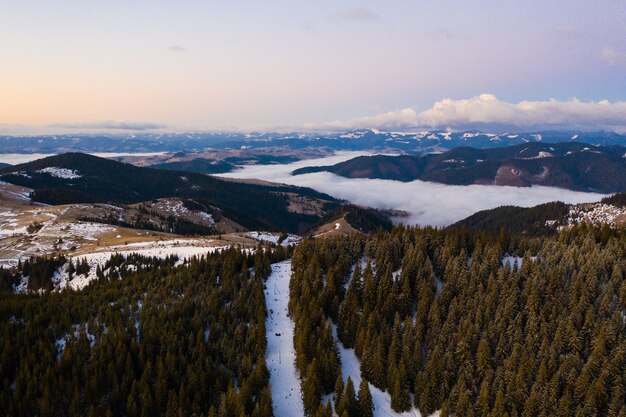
(427, 203)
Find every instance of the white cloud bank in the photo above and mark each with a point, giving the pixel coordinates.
(486, 110)
(427, 203)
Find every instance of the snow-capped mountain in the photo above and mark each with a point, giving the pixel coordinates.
(359, 139)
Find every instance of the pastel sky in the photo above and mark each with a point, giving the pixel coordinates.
(206, 65)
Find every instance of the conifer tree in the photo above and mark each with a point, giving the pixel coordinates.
(366, 404)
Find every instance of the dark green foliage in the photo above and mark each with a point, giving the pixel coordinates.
(39, 271)
(163, 341)
(8, 279)
(517, 220)
(153, 220)
(198, 165)
(440, 319)
(348, 403)
(315, 290)
(618, 200)
(366, 405)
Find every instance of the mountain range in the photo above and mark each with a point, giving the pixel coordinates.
(574, 166)
(360, 139)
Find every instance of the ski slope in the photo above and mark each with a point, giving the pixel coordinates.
(280, 355)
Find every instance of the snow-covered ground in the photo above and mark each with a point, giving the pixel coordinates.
(280, 355)
(14, 191)
(273, 238)
(176, 207)
(515, 261)
(597, 213)
(52, 236)
(68, 174)
(183, 248)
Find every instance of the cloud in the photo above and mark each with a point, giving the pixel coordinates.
(359, 13)
(390, 120)
(427, 203)
(486, 110)
(176, 48)
(110, 125)
(613, 58)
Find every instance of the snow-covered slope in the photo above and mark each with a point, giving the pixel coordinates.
(274, 238)
(280, 355)
(183, 248)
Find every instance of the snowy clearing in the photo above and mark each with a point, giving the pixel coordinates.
(68, 174)
(273, 238)
(280, 355)
(515, 261)
(183, 248)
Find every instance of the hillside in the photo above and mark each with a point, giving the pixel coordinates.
(80, 178)
(573, 166)
(428, 321)
(160, 339)
(548, 218)
(517, 220)
(198, 165)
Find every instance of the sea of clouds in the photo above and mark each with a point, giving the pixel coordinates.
(427, 203)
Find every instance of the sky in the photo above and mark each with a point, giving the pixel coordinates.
(315, 65)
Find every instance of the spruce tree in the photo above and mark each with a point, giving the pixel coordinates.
(366, 404)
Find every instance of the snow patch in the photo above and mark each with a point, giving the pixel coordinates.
(273, 238)
(183, 248)
(515, 261)
(67, 174)
(597, 213)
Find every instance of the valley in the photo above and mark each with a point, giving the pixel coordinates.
(423, 202)
(348, 293)
(312, 209)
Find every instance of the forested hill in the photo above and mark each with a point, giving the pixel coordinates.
(441, 321)
(548, 218)
(81, 178)
(158, 341)
(574, 166)
(199, 165)
(518, 220)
